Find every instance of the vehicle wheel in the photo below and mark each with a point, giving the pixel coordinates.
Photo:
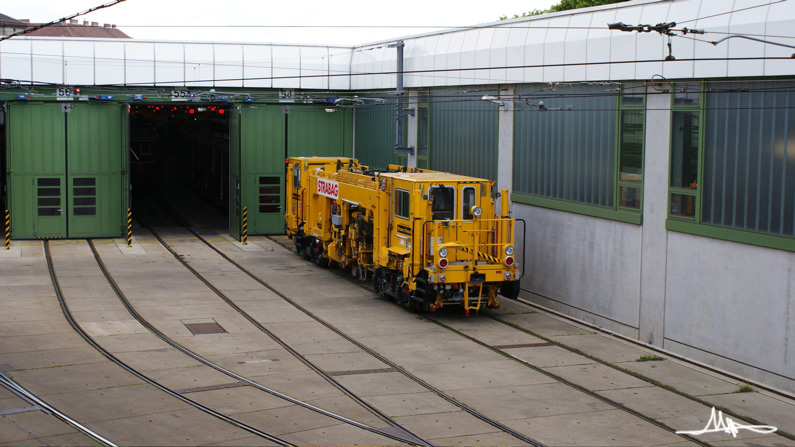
(510, 289)
(379, 283)
(404, 296)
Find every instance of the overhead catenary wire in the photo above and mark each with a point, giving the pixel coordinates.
(328, 74)
(506, 27)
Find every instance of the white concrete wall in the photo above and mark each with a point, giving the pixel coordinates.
(732, 305)
(584, 266)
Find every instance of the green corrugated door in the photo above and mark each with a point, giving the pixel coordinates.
(235, 223)
(262, 154)
(97, 168)
(36, 160)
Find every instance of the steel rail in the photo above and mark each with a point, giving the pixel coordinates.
(726, 411)
(554, 376)
(569, 383)
(76, 326)
(696, 399)
(11, 385)
(373, 353)
(408, 437)
(620, 406)
(502, 427)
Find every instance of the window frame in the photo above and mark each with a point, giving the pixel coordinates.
(465, 212)
(623, 107)
(453, 202)
(695, 225)
(398, 203)
(616, 212)
(692, 192)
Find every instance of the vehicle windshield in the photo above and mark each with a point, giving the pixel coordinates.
(443, 202)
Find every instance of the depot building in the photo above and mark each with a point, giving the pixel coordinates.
(655, 169)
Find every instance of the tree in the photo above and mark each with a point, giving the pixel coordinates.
(565, 5)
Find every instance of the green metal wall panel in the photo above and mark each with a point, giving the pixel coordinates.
(262, 154)
(463, 132)
(97, 170)
(67, 169)
(311, 131)
(375, 135)
(36, 160)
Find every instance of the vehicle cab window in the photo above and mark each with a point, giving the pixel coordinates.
(443, 202)
(468, 200)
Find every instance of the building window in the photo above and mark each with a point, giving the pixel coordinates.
(684, 162)
(631, 135)
(49, 196)
(402, 208)
(733, 162)
(84, 194)
(579, 148)
(270, 194)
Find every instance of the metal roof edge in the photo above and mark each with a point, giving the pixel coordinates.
(508, 22)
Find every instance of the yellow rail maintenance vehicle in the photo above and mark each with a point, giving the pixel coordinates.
(429, 239)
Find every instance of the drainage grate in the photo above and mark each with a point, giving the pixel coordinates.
(360, 371)
(524, 345)
(205, 328)
(222, 386)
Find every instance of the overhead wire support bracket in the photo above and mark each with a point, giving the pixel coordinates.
(665, 29)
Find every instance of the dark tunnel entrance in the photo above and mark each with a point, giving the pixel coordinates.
(178, 155)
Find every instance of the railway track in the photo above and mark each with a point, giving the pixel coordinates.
(390, 364)
(396, 433)
(11, 385)
(418, 380)
(107, 354)
(580, 388)
(728, 412)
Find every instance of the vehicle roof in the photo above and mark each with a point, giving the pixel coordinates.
(433, 176)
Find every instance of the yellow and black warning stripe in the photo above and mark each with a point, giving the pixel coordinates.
(484, 256)
(8, 230)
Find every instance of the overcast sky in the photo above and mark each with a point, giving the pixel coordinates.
(364, 21)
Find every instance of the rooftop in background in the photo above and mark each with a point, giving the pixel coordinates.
(73, 28)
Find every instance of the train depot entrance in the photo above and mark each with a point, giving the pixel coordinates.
(75, 168)
(179, 153)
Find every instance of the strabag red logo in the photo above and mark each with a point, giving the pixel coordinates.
(328, 188)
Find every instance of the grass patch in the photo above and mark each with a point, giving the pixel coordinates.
(745, 389)
(649, 358)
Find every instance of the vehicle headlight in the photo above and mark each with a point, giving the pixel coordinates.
(509, 250)
(443, 252)
(476, 211)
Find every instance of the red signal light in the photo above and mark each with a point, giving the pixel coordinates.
(509, 261)
(221, 111)
(192, 111)
(443, 263)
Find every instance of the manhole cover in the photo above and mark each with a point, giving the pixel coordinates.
(205, 328)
